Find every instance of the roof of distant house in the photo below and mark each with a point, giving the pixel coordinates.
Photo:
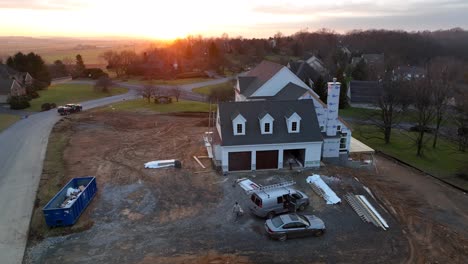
(365, 92)
(303, 70)
(410, 70)
(257, 77)
(373, 58)
(5, 85)
(253, 110)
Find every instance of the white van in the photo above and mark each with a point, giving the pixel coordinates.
(268, 203)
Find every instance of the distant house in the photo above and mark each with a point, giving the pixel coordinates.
(304, 71)
(375, 65)
(409, 72)
(364, 93)
(276, 116)
(12, 82)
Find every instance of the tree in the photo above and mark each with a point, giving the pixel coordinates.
(460, 117)
(214, 56)
(147, 92)
(320, 87)
(103, 84)
(360, 71)
(79, 67)
(391, 104)
(33, 64)
(423, 103)
(441, 73)
(58, 69)
(176, 92)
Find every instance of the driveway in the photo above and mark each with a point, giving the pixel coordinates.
(23, 147)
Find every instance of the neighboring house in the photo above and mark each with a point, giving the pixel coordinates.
(272, 85)
(409, 72)
(375, 65)
(12, 82)
(304, 71)
(364, 94)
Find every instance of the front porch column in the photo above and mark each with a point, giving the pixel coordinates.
(254, 160)
(280, 158)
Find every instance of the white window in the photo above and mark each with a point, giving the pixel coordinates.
(322, 128)
(338, 128)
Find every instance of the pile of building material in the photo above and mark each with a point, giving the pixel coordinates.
(163, 164)
(322, 189)
(365, 210)
(72, 195)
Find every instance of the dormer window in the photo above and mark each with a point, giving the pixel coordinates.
(238, 124)
(266, 123)
(293, 121)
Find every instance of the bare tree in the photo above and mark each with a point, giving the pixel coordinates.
(176, 92)
(391, 104)
(442, 74)
(103, 84)
(147, 91)
(423, 103)
(460, 117)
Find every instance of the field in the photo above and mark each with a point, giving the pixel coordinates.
(206, 90)
(185, 215)
(143, 105)
(443, 162)
(169, 82)
(7, 120)
(70, 93)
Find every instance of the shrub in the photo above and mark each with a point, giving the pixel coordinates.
(53, 105)
(19, 102)
(94, 73)
(45, 107)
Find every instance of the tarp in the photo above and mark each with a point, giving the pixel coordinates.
(160, 164)
(329, 195)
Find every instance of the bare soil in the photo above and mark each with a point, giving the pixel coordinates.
(185, 215)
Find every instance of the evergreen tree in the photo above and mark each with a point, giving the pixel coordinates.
(79, 67)
(320, 87)
(33, 64)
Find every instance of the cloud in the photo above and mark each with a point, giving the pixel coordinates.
(43, 4)
(363, 8)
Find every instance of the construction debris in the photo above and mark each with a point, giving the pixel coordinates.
(322, 189)
(199, 162)
(156, 164)
(365, 210)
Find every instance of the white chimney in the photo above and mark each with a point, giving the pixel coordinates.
(333, 100)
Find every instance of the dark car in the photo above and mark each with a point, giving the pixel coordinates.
(69, 108)
(287, 226)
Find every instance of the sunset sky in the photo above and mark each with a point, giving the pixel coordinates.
(249, 18)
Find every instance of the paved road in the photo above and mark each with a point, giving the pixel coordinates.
(22, 151)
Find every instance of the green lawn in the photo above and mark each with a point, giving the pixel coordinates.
(206, 90)
(7, 120)
(142, 104)
(169, 82)
(359, 113)
(70, 93)
(442, 162)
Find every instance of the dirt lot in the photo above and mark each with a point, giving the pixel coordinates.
(184, 215)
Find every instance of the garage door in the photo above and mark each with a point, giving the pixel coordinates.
(240, 161)
(267, 160)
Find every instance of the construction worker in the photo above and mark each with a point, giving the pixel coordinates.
(237, 210)
(291, 162)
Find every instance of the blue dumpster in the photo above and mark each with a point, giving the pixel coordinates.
(62, 210)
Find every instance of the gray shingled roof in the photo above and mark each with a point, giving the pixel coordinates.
(303, 70)
(257, 77)
(5, 85)
(367, 92)
(251, 110)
